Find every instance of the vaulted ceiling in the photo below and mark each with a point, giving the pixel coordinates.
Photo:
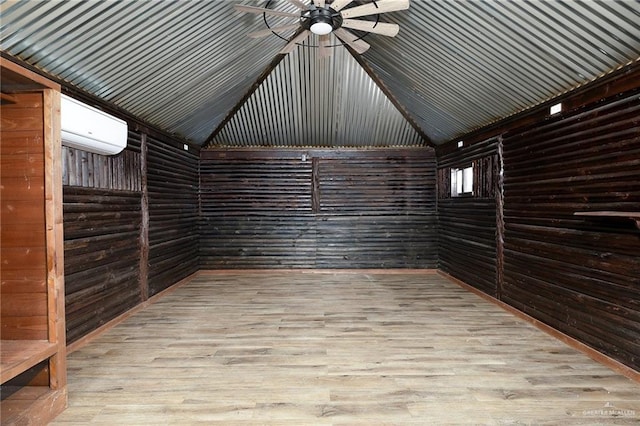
(189, 68)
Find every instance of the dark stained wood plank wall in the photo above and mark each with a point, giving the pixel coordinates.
(256, 213)
(331, 210)
(103, 224)
(102, 221)
(467, 224)
(172, 184)
(579, 275)
(377, 212)
(102, 252)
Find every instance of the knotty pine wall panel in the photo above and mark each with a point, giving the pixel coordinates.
(172, 185)
(23, 255)
(334, 210)
(580, 275)
(467, 224)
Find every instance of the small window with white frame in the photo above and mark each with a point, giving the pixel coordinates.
(461, 181)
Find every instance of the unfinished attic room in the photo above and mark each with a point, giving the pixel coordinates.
(320, 212)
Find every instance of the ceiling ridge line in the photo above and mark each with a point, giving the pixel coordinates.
(387, 92)
(261, 78)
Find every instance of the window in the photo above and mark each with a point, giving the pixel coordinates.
(477, 178)
(462, 181)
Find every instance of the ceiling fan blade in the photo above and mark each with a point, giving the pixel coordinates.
(318, 3)
(269, 31)
(297, 3)
(323, 50)
(294, 41)
(339, 4)
(380, 6)
(260, 11)
(360, 46)
(383, 28)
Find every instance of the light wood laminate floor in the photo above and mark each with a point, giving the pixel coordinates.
(336, 349)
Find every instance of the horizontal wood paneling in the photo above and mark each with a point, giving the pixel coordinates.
(279, 241)
(330, 211)
(467, 225)
(256, 214)
(103, 214)
(377, 186)
(380, 241)
(377, 212)
(23, 310)
(102, 252)
(467, 241)
(172, 184)
(246, 187)
(102, 222)
(580, 275)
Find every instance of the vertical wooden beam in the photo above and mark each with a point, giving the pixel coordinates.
(438, 181)
(54, 236)
(315, 185)
(499, 173)
(144, 226)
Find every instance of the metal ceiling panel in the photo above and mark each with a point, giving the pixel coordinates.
(181, 65)
(461, 65)
(308, 101)
(455, 66)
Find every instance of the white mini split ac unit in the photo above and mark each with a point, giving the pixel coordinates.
(89, 129)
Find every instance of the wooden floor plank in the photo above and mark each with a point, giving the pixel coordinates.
(336, 349)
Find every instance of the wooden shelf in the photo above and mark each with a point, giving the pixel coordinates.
(7, 98)
(635, 216)
(33, 323)
(19, 355)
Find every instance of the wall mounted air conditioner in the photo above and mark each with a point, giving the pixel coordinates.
(89, 129)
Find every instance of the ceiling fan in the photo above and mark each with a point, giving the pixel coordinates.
(323, 17)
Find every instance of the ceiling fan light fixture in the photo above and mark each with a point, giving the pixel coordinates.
(323, 17)
(321, 21)
(321, 28)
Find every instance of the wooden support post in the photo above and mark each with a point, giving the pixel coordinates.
(499, 182)
(315, 185)
(144, 226)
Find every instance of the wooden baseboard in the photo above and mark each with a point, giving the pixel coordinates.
(592, 353)
(319, 271)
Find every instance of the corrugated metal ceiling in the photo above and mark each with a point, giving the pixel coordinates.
(181, 65)
(455, 66)
(320, 109)
(460, 65)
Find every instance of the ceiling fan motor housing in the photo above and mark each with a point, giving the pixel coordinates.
(321, 15)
